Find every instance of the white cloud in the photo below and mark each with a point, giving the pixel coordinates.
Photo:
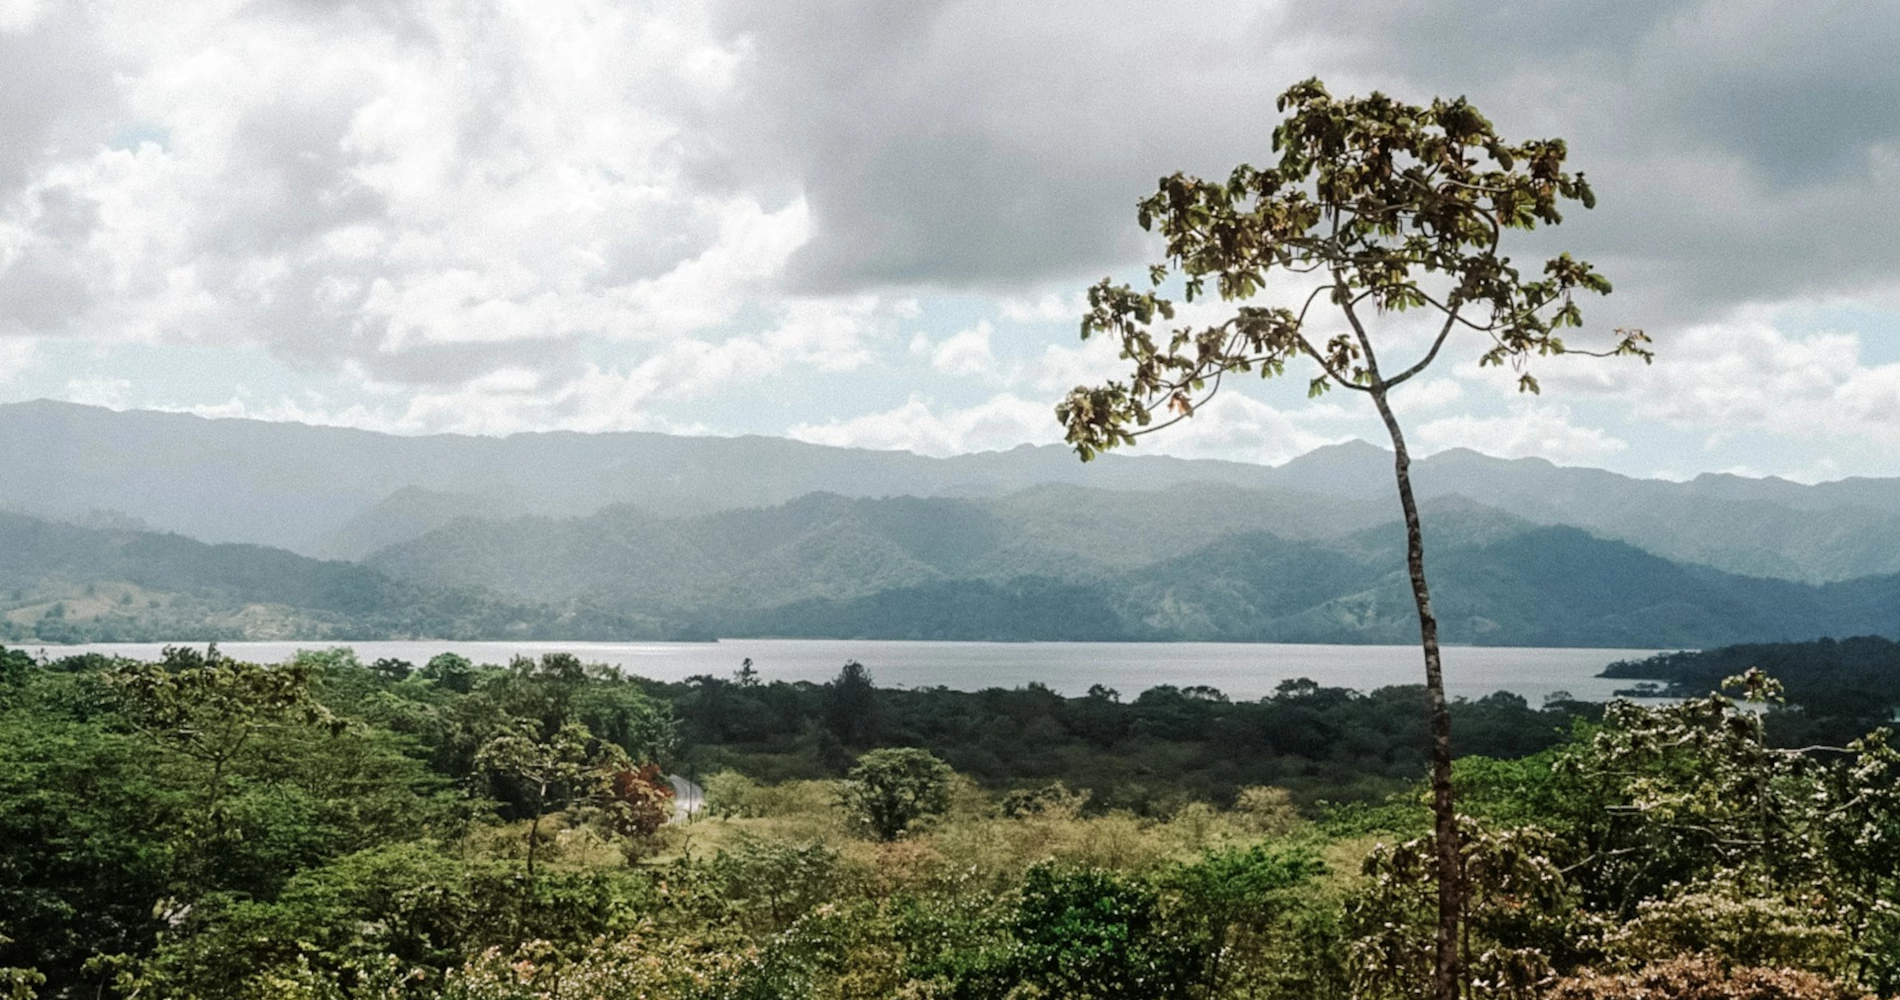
(1531, 429)
(16, 356)
(18, 15)
(343, 187)
(966, 352)
(1749, 375)
(1053, 307)
(587, 214)
(108, 392)
(1088, 362)
(810, 334)
(1003, 421)
(1241, 428)
(1426, 394)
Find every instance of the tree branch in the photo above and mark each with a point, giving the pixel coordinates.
(1451, 319)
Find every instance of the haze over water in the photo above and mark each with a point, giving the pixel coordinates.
(1244, 671)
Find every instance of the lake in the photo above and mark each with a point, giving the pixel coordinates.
(1244, 671)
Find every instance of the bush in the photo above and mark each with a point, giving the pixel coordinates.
(889, 789)
(1699, 978)
(1089, 934)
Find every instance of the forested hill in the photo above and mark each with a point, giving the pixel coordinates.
(70, 583)
(1026, 567)
(1209, 568)
(1837, 675)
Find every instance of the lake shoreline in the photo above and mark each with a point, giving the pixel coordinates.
(1242, 671)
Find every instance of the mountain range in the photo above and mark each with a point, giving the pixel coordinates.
(341, 493)
(192, 527)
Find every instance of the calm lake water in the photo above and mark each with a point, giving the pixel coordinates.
(1242, 670)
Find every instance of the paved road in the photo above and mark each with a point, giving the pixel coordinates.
(688, 798)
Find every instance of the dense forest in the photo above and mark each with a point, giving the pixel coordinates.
(325, 828)
(1856, 678)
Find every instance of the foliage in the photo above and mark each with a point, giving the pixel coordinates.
(1235, 905)
(568, 766)
(1671, 849)
(1093, 935)
(638, 801)
(638, 967)
(1149, 754)
(1839, 688)
(1376, 197)
(851, 705)
(1521, 918)
(1700, 978)
(889, 789)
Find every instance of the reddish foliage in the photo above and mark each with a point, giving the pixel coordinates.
(641, 800)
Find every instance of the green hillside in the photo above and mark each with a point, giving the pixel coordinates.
(1214, 567)
(1861, 672)
(67, 583)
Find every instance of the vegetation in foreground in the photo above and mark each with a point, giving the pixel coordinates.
(203, 828)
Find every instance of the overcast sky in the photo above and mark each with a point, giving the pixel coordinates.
(866, 222)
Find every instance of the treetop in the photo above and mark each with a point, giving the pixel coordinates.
(1388, 207)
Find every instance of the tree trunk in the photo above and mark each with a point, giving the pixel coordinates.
(1446, 973)
(534, 828)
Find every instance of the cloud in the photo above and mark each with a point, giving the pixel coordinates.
(107, 392)
(1425, 394)
(1746, 375)
(1240, 428)
(595, 215)
(423, 192)
(815, 335)
(1050, 307)
(15, 357)
(1740, 152)
(1530, 430)
(1001, 422)
(1090, 362)
(966, 352)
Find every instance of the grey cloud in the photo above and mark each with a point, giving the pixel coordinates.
(56, 91)
(290, 177)
(964, 143)
(45, 289)
(991, 145)
(961, 144)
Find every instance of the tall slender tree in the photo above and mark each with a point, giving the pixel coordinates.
(1375, 208)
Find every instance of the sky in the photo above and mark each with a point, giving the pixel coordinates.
(866, 223)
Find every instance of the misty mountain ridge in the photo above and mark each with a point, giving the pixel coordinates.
(342, 493)
(1050, 563)
(1018, 568)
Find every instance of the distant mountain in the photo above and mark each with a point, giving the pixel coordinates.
(1052, 563)
(68, 583)
(825, 546)
(344, 493)
(1754, 527)
(1172, 565)
(410, 512)
(327, 489)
